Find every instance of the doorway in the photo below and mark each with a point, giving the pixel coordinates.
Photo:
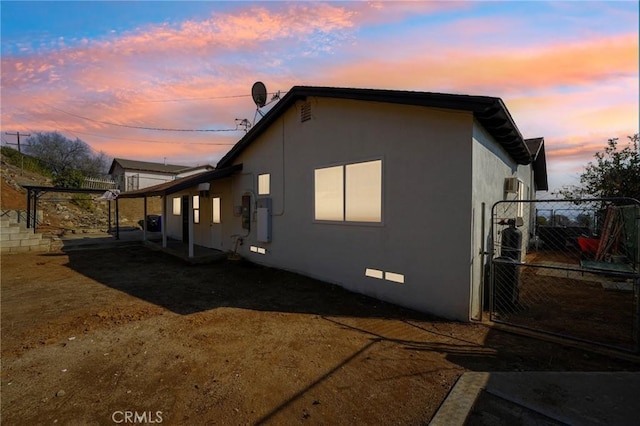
(185, 219)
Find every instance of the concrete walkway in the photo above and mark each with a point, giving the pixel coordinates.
(542, 398)
(128, 237)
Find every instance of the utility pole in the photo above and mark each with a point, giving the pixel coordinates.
(17, 134)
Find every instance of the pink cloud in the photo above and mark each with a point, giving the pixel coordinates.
(575, 93)
(497, 71)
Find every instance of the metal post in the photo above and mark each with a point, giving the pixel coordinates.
(144, 220)
(190, 225)
(35, 211)
(482, 260)
(117, 221)
(164, 218)
(28, 207)
(636, 288)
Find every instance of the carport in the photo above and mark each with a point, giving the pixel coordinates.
(35, 192)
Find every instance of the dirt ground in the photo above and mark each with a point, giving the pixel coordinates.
(92, 335)
(590, 306)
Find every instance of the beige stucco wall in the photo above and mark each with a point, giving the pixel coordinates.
(438, 168)
(206, 233)
(425, 233)
(491, 166)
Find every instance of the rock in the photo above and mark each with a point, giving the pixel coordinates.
(60, 393)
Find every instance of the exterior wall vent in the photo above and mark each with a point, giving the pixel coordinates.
(305, 112)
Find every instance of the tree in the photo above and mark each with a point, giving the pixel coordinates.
(69, 178)
(615, 173)
(63, 155)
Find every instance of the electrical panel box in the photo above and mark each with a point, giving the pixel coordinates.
(246, 212)
(264, 220)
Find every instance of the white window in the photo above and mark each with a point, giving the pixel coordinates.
(264, 183)
(364, 192)
(329, 193)
(196, 209)
(177, 203)
(351, 193)
(216, 210)
(521, 196)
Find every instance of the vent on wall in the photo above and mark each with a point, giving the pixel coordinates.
(305, 112)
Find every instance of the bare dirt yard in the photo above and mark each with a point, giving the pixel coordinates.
(88, 336)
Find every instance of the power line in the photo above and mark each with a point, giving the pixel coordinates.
(198, 99)
(139, 127)
(153, 141)
(205, 98)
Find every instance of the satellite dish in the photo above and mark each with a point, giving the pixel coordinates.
(259, 93)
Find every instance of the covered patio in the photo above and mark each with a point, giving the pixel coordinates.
(185, 249)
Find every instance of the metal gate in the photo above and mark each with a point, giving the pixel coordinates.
(569, 268)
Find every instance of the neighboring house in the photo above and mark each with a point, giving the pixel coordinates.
(382, 192)
(132, 174)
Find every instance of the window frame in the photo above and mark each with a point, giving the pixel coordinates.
(520, 196)
(178, 211)
(344, 220)
(196, 210)
(213, 210)
(268, 184)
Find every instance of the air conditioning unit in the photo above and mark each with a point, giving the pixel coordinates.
(511, 185)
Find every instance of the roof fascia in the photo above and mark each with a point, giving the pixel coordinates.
(491, 112)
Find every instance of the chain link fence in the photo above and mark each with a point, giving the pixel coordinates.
(569, 268)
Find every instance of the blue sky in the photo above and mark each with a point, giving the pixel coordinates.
(567, 71)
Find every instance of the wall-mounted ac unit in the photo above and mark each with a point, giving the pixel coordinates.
(511, 185)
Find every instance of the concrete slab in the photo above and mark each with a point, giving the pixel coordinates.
(575, 398)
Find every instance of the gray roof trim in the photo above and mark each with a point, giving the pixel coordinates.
(489, 111)
(146, 166)
(536, 146)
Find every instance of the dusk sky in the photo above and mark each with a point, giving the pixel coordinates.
(103, 71)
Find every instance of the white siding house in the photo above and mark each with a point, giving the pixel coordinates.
(378, 191)
(132, 175)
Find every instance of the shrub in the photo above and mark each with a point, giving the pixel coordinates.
(84, 201)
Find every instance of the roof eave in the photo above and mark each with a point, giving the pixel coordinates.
(490, 112)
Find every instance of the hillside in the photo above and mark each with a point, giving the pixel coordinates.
(60, 213)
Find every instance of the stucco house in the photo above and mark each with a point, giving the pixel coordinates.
(133, 174)
(383, 192)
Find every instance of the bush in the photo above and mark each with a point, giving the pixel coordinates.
(69, 179)
(84, 201)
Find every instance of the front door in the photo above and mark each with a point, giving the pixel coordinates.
(185, 219)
